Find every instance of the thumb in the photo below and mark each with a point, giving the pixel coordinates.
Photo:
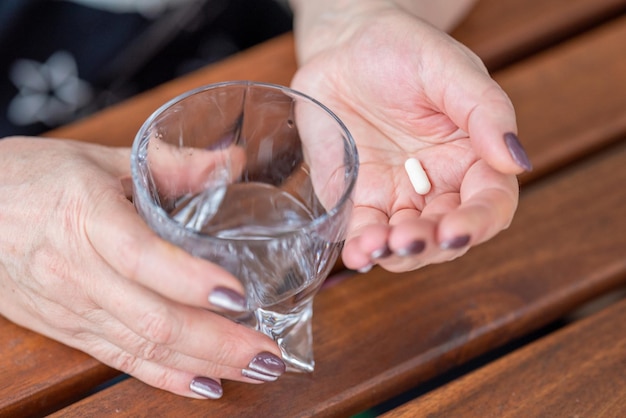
(479, 106)
(493, 131)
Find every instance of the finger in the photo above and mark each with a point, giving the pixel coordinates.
(158, 375)
(413, 237)
(120, 236)
(410, 233)
(179, 336)
(411, 240)
(87, 333)
(479, 106)
(432, 214)
(122, 349)
(488, 202)
(366, 239)
(487, 126)
(178, 382)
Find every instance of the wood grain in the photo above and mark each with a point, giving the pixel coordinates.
(565, 247)
(570, 100)
(39, 374)
(502, 32)
(576, 372)
(379, 334)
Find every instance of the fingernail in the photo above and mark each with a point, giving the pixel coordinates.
(228, 299)
(381, 253)
(455, 243)
(258, 376)
(206, 387)
(413, 248)
(268, 364)
(365, 268)
(517, 151)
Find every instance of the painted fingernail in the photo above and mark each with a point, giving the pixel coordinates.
(365, 268)
(383, 252)
(206, 387)
(268, 364)
(413, 248)
(258, 376)
(455, 243)
(224, 298)
(517, 151)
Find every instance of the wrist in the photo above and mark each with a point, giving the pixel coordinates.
(321, 24)
(443, 14)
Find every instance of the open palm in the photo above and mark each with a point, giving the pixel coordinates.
(405, 89)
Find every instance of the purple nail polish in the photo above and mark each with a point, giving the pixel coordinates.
(383, 252)
(413, 248)
(267, 363)
(258, 375)
(224, 298)
(206, 387)
(517, 151)
(366, 268)
(455, 243)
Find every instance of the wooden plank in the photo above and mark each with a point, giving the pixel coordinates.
(570, 100)
(541, 123)
(577, 372)
(554, 134)
(39, 375)
(501, 32)
(42, 375)
(379, 334)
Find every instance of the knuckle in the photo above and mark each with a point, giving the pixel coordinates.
(127, 362)
(137, 350)
(152, 351)
(158, 326)
(133, 365)
(50, 268)
(128, 253)
(231, 346)
(50, 263)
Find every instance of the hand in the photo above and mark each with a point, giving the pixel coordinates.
(406, 89)
(78, 264)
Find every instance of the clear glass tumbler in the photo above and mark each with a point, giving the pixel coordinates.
(257, 178)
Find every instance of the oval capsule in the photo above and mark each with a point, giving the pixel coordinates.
(417, 176)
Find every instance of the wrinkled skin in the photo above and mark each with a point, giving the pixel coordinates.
(77, 263)
(405, 89)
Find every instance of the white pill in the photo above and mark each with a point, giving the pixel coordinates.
(417, 175)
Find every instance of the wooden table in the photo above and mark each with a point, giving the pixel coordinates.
(513, 305)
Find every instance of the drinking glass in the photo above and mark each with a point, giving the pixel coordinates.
(258, 179)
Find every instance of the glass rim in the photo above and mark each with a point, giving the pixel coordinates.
(349, 144)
